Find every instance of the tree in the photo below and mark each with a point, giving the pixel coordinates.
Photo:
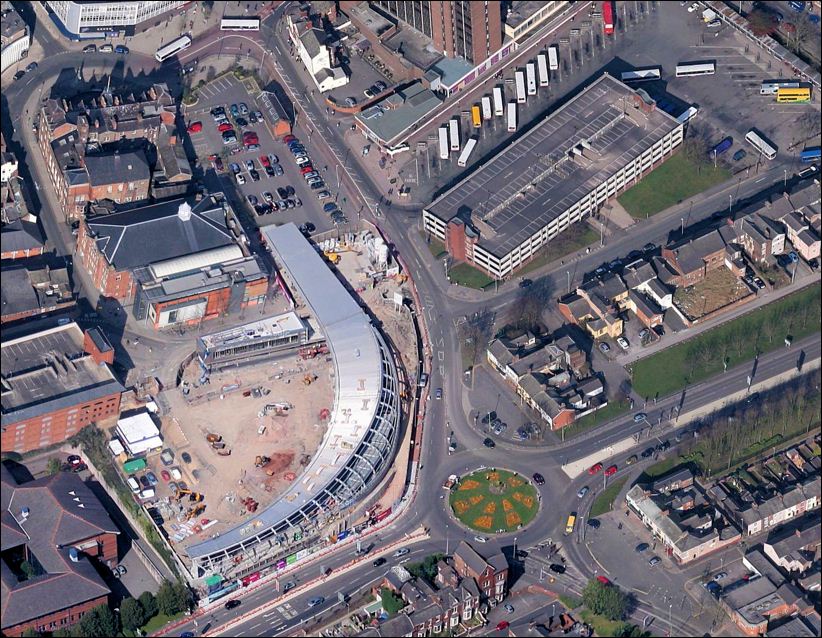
(605, 600)
(391, 602)
(53, 466)
(100, 622)
(761, 22)
(631, 631)
(32, 633)
(172, 598)
(132, 614)
(149, 604)
(427, 569)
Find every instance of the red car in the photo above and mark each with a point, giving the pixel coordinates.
(595, 468)
(212, 157)
(249, 134)
(502, 624)
(195, 127)
(603, 580)
(264, 160)
(306, 169)
(288, 138)
(611, 470)
(225, 126)
(165, 476)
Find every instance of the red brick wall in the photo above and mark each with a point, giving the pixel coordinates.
(108, 281)
(140, 191)
(57, 620)
(90, 348)
(23, 254)
(563, 419)
(61, 426)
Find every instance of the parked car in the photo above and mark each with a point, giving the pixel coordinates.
(641, 548)
(623, 343)
(604, 347)
(740, 154)
(323, 195)
(235, 167)
(252, 199)
(241, 122)
(106, 48)
(350, 101)
(269, 170)
(720, 575)
(255, 176)
(19, 74)
(165, 476)
(509, 608)
(152, 479)
(273, 159)
(145, 482)
(240, 179)
(604, 580)
(243, 108)
(120, 49)
(489, 443)
(631, 459)
(654, 561)
(596, 467)
(195, 127)
(229, 139)
(91, 48)
(648, 452)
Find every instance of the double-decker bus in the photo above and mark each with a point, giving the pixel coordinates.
(800, 95)
(809, 155)
(172, 48)
(770, 87)
(687, 69)
(642, 75)
(608, 17)
(476, 116)
(758, 141)
(570, 523)
(240, 24)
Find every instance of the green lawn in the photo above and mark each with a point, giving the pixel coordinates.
(761, 330)
(604, 502)
(570, 601)
(603, 415)
(436, 247)
(577, 236)
(158, 622)
(672, 182)
(602, 626)
(468, 276)
(475, 504)
(663, 467)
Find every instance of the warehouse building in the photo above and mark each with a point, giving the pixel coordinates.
(567, 167)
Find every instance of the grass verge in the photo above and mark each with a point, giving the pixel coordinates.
(668, 184)
(577, 236)
(490, 501)
(663, 467)
(605, 501)
(468, 276)
(158, 622)
(570, 601)
(436, 247)
(603, 415)
(759, 331)
(602, 626)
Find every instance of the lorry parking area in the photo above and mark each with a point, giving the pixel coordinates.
(262, 191)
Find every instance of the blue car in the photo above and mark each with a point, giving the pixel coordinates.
(121, 49)
(329, 208)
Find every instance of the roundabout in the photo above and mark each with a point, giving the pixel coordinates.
(494, 501)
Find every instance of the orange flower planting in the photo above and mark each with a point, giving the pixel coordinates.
(483, 522)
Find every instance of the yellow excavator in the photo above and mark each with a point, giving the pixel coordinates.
(194, 497)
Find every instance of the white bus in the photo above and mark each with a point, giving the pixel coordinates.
(687, 69)
(641, 75)
(172, 48)
(443, 133)
(486, 108)
(542, 67)
(759, 142)
(771, 87)
(531, 75)
(553, 57)
(466, 152)
(240, 24)
(512, 116)
(499, 106)
(520, 78)
(454, 134)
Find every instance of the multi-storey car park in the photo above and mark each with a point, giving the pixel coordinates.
(363, 431)
(596, 145)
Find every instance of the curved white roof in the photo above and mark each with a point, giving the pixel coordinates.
(364, 424)
(195, 261)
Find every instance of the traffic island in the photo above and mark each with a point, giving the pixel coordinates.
(494, 501)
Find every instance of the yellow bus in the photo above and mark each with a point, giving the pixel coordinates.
(793, 95)
(476, 116)
(569, 525)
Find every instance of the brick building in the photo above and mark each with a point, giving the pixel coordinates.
(110, 248)
(28, 290)
(490, 574)
(55, 382)
(761, 237)
(66, 131)
(59, 528)
(694, 257)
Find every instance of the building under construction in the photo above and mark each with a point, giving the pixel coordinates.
(254, 342)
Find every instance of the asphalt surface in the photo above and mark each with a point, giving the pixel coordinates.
(442, 306)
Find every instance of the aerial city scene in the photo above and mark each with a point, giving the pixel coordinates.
(411, 318)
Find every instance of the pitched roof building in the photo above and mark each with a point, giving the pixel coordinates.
(58, 526)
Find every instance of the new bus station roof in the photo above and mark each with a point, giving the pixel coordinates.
(517, 193)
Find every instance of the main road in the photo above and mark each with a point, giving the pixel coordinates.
(441, 309)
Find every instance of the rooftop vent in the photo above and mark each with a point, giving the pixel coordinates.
(184, 212)
(74, 555)
(25, 513)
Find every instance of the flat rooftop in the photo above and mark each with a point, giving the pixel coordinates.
(537, 178)
(48, 371)
(394, 115)
(276, 326)
(522, 10)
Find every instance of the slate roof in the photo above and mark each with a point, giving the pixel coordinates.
(63, 512)
(642, 273)
(153, 233)
(313, 40)
(116, 168)
(690, 254)
(476, 562)
(20, 235)
(16, 291)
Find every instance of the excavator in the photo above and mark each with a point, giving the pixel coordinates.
(193, 497)
(194, 511)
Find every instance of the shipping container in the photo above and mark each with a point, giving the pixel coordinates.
(443, 135)
(542, 67)
(531, 77)
(512, 116)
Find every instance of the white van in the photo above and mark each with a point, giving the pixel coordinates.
(146, 494)
(133, 484)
